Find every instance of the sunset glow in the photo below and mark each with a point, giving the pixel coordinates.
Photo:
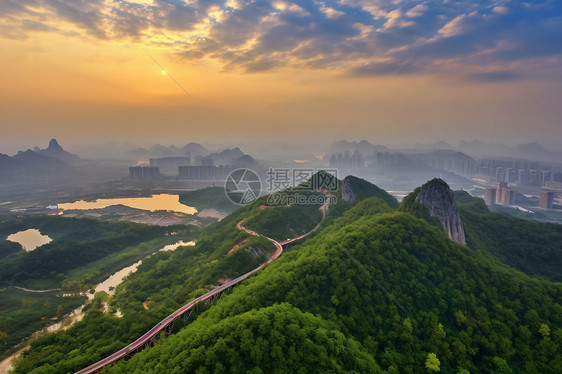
(267, 70)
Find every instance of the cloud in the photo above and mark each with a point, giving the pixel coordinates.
(30, 25)
(352, 35)
(86, 14)
(385, 68)
(500, 9)
(417, 11)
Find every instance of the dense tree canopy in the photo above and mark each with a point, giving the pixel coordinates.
(375, 289)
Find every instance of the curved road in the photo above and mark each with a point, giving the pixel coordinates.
(162, 325)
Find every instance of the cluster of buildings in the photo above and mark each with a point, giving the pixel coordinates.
(347, 161)
(522, 172)
(452, 161)
(546, 199)
(502, 194)
(202, 170)
(144, 172)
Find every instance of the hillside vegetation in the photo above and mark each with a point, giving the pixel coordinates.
(375, 290)
(208, 198)
(83, 253)
(76, 243)
(400, 288)
(533, 247)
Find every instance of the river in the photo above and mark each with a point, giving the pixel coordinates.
(76, 315)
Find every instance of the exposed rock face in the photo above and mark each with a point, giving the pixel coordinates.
(347, 193)
(438, 198)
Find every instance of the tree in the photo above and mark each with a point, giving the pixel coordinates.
(544, 330)
(432, 363)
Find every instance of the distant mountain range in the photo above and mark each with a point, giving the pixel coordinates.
(531, 151)
(366, 148)
(474, 148)
(49, 163)
(56, 151)
(193, 149)
(232, 156)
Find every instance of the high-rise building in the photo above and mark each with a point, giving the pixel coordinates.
(500, 177)
(534, 177)
(490, 196)
(510, 175)
(348, 161)
(507, 196)
(201, 172)
(523, 178)
(504, 194)
(545, 177)
(144, 172)
(135, 172)
(546, 199)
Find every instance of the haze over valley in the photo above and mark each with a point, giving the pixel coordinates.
(266, 186)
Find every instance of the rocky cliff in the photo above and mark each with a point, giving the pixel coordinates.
(347, 193)
(438, 198)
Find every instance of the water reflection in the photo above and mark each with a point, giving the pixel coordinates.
(29, 239)
(155, 202)
(108, 285)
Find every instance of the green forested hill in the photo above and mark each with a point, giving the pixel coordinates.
(400, 288)
(279, 338)
(532, 247)
(84, 251)
(77, 242)
(208, 198)
(374, 290)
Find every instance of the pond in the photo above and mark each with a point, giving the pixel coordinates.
(152, 203)
(29, 239)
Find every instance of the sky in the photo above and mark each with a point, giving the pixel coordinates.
(304, 72)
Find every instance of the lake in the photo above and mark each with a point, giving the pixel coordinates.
(29, 239)
(152, 203)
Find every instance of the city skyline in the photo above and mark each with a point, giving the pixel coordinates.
(391, 73)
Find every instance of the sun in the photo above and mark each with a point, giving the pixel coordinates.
(164, 72)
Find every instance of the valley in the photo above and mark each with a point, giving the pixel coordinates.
(382, 280)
